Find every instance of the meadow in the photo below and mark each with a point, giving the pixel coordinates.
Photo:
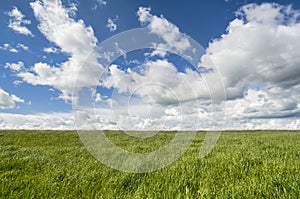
(243, 164)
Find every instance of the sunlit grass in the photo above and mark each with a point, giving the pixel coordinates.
(55, 164)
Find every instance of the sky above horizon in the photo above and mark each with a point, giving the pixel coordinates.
(53, 69)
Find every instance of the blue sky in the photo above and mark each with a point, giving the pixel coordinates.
(252, 45)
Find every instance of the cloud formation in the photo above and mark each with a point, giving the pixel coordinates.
(158, 82)
(258, 58)
(58, 26)
(8, 101)
(259, 62)
(15, 66)
(174, 39)
(17, 22)
(258, 49)
(53, 121)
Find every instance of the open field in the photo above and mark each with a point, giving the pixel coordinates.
(55, 164)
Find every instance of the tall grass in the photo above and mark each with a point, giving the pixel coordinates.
(245, 164)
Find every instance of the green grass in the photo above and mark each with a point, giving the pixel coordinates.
(55, 164)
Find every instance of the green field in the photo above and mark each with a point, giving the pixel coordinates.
(55, 164)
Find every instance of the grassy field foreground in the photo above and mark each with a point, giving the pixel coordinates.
(55, 164)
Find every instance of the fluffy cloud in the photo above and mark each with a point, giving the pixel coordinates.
(259, 62)
(17, 22)
(174, 40)
(171, 121)
(158, 82)
(8, 101)
(259, 49)
(58, 26)
(111, 24)
(258, 58)
(14, 66)
(275, 102)
(58, 121)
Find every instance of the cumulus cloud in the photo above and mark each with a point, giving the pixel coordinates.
(171, 121)
(158, 82)
(18, 23)
(58, 26)
(258, 58)
(14, 66)
(259, 62)
(161, 96)
(54, 121)
(275, 102)
(259, 48)
(111, 24)
(174, 39)
(8, 101)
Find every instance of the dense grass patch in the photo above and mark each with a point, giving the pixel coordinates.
(55, 164)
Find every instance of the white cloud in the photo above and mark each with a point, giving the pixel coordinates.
(51, 50)
(14, 49)
(15, 66)
(17, 82)
(17, 22)
(259, 49)
(156, 96)
(22, 46)
(8, 101)
(9, 48)
(268, 13)
(259, 63)
(258, 58)
(58, 121)
(274, 102)
(111, 24)
(64, 121)
(174, 40)
(58, 26)
(158, 82)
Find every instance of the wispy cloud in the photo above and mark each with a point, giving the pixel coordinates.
(14, 49)
(174, 39)
(18, 23)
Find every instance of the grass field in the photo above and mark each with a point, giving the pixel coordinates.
(55, 164)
